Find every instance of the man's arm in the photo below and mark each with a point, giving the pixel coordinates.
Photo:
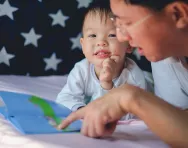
(165, 120)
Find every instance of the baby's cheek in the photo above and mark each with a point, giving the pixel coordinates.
(115, 51)
(119, 50)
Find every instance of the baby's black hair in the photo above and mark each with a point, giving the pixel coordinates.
(101, 7)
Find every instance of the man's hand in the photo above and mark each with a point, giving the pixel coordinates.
(100, 116)
(108, 71)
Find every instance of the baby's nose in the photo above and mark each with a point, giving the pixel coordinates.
(101, 43)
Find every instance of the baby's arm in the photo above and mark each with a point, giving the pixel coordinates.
(72, 94)
(137, 75)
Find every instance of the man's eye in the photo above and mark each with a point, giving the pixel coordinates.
(112, 35)
(92, 35)
(128, 23)
(112, 17)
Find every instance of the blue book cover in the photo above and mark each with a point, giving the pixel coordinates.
(34, 115)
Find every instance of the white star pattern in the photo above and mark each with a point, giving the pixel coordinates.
(83, 3)
(5, 57)
(7, 9)
(49, 30)
(58, 18)
(31, 37)
(136, 54)
(52, 62)
(76, 42)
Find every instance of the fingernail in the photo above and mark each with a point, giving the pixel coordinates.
(59, 127)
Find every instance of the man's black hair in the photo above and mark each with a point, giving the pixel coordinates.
(156, 5)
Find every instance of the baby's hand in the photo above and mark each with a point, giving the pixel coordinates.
(108, 71)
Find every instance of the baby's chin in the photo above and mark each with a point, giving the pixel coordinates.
(98, 64)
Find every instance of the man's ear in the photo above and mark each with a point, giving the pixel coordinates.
(81, 42)
(179, 12)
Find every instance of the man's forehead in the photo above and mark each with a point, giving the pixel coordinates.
(118, 1)
(118, 8)
(125, 10)
(116, 4)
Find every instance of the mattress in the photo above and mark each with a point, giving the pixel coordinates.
(131, 134)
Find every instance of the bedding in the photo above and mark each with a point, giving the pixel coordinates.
(131, 134)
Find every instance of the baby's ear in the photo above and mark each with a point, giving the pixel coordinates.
(81, 42)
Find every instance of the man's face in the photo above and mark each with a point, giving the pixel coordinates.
(155, 33)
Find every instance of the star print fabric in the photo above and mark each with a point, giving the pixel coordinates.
(42, 37)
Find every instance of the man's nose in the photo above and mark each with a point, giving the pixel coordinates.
(122, 36)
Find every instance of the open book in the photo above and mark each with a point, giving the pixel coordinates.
(34, 115)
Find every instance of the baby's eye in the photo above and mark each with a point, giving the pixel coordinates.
(92, 35)
(112, 35)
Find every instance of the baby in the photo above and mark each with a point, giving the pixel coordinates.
(105, 66)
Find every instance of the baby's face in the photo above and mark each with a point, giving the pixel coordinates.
(99, 40)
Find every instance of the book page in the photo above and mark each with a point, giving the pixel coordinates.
(31, 114)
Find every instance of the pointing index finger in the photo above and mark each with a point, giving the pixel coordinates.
(71, 118)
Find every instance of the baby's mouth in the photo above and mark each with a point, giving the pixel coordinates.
(102, 54)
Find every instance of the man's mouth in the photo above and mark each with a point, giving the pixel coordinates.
(134, 46)
(140, 51)
(129, 48)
